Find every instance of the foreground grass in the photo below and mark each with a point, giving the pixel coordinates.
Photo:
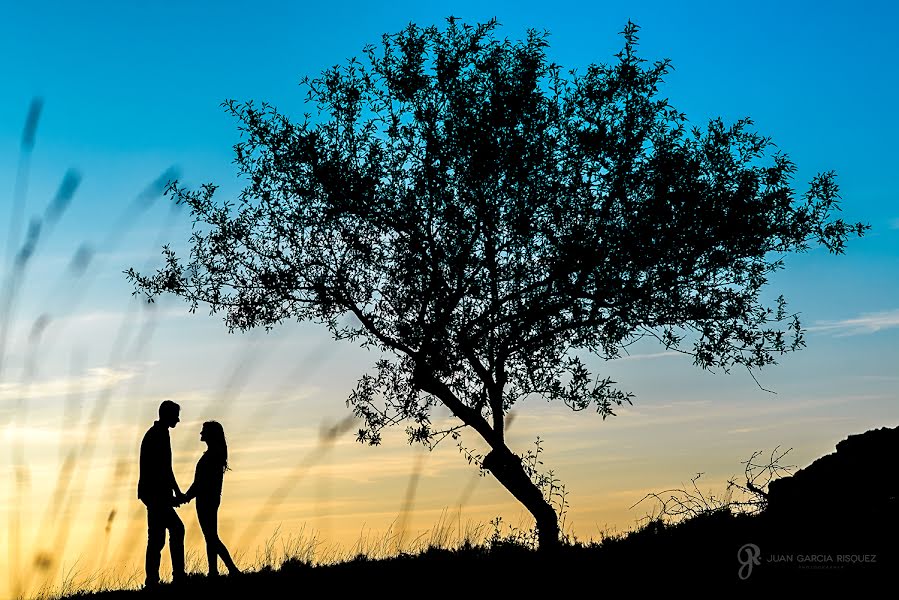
(697, 556)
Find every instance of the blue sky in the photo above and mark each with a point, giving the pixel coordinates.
(133, 88)
(126, 82)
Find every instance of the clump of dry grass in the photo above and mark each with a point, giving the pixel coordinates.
(676, 505)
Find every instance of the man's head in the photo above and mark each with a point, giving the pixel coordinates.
(169, 413)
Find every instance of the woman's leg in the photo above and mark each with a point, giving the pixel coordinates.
(223, 552)
(214, 545)
(207, 514)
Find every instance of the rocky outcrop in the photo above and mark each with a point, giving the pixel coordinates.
(856, 486)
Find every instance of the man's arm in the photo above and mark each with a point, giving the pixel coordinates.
(179, 497)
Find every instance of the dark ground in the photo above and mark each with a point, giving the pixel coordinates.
(700, 557)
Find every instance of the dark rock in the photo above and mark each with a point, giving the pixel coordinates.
(855, 487)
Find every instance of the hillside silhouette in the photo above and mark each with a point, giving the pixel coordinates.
(859, 477)
(700, 552)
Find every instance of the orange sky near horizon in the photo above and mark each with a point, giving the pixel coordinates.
(287, 476)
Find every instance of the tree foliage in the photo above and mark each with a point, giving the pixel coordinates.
(485, 218)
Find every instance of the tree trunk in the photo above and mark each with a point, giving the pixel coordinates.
(509, 471)
(500, 461)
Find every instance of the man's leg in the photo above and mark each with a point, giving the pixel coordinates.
(176, 542)
(155, 542)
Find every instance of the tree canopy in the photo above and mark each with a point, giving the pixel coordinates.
(484, 218)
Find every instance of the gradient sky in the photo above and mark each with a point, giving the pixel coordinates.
(131, 89)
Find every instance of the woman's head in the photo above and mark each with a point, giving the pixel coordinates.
(214, 435)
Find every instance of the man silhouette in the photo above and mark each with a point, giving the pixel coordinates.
(159, 491)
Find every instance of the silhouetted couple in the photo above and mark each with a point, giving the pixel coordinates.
(159, 491)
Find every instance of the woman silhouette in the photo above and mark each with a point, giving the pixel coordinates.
(207, 489)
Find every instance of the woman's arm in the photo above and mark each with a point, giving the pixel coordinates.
(197, 485)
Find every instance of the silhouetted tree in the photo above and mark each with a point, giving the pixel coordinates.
(487, 218)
